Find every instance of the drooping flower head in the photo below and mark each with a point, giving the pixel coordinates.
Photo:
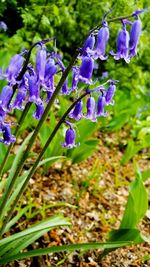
(40, 64)
(50, 70)
(101, 103)
(110, 93)
(34, 89)
(19, 99)
(90, 105)
(89, 44)
(86, 70)
(69, 138)
(5, 97)
(39, 111)
(64, 89)
(3, 26)
(14, 68)
(122, 44)
(75, 79)
(77, 112)
(8, 138)
(102, 40)
(134, 36)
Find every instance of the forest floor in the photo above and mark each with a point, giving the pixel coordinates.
(93, 195)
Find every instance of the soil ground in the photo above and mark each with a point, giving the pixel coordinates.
(93, 195)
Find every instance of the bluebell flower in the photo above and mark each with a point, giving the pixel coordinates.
(75, 79)
(19, 99)
(50, 70)
(5, 97)
(134, 37)
(70, 137)
(3, 26)
(110, 93)
(64, 89)
(59, 61)
(89, 44)
(122, 45)
(86, 70)
(102, 40)
(34, 89)
(2, 114)
(90, 104)
(40, 64)
(8, 138)
(14, 68)
(101, 103)
(49, 95)
(39, 111)
(77, 112)
(104, 74)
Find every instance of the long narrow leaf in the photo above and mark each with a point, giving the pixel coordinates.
(15, 163)
(57, 220)
(137, 204)
(53, 249)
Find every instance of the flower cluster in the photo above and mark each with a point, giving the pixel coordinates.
(37, 84)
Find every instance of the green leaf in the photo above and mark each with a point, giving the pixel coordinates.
(3, 149)
(137, 204)
(54, 249)
(118, 121)
(83, 151)
(130, 151)
(57, 220)
(126, 235)
(146, 175)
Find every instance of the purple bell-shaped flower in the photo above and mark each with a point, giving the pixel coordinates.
(75, 79)
(86, 70)
(100, 106)
(77, 112)
(89, 44)
(50, 70)
(34, 89)
(122, 45)
(14, 68)
(109, 94)
(3, 26)
(69, 138)
(40, 64)
(39, 111)
(102, 40)
(5, 97)
(64, 89)
(8, 138)
(19, 100)
(90, 104)
(134, 37)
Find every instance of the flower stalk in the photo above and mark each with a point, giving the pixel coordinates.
(32, 171)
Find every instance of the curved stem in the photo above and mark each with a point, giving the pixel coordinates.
(112, 20)
(38, 160)
(21, 120)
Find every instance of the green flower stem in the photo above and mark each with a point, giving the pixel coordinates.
(38, 160)
(112, 20)
(36, 131)
(21, 120)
